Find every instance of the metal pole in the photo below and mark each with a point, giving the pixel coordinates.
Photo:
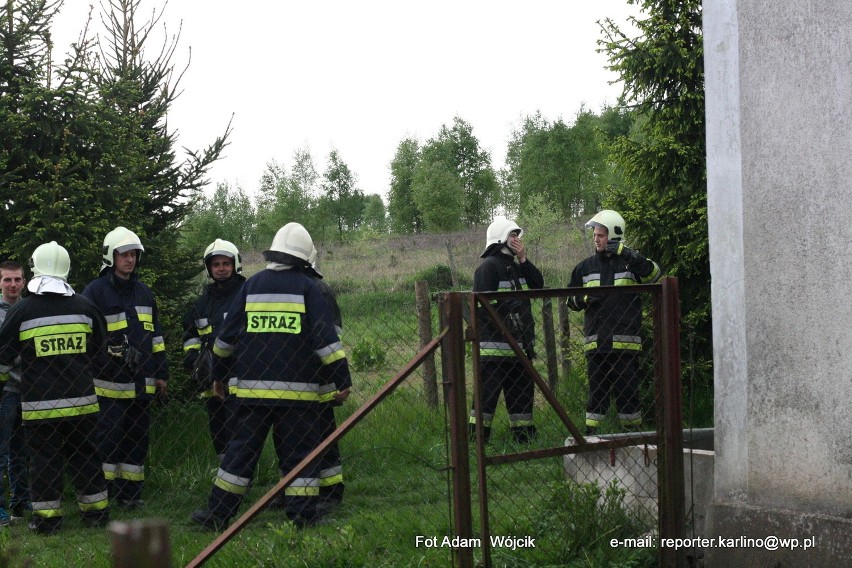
(452, 352)
(672, 516)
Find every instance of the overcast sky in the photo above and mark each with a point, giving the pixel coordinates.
(360, 77)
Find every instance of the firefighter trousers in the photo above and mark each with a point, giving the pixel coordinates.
(53, 446)
(297, 430)
(123, 438)
(613, 374)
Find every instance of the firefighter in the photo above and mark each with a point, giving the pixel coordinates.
(60, 337)
(136, 343)
(500, 368)
(331, 467)
(612, 322)
(287, 355)
(201, 323)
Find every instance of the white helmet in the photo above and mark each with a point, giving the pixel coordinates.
(51, 259)
(611, 221)
(223, 248)
(498, 234)
(292, 239)
(120, 240)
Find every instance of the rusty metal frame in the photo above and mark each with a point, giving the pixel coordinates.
(666, 321)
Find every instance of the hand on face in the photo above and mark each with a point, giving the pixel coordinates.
(517, 245)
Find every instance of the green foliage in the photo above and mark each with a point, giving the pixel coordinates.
(404, 215)
(341, 200)
(439, 277)
(566, 165)
(367, 355)
(438, 195)
(664, 196)
(458, 149)
(584, 517)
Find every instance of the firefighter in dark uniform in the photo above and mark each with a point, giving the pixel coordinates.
(279, 330)
(136, 342)
(500, 368)
(612, 323)
(331, 466)
(60, 338)
(201, 323)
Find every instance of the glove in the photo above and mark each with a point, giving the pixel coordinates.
(629, 255)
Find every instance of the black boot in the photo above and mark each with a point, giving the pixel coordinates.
(524, 434)
(95, 519)
(486, 433)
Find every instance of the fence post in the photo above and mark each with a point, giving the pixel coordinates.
(453, 277)
(452, 354)
(140, 544)
(672, 515)
(549, 343)
(423, 306)
(565, 338)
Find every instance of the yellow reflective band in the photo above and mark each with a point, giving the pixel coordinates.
(96, 506)
(230, 487)
(280, 322)
(624, 282)
(332, 480)
(302, 491)
(47, 513)
(497, 353)
(275, 307)
(205, 330)
(116, 393)
(591, 345)
(131, 476)
(328, 396)
(521, 423)
(60, 329)
(194, 346)
(158, 347)
(65, 344)
(117, 325)
(626, 346)
(592, 422)
(147, 316)
(59, 412)
(653, 277)
(332, 357)
(278, 394)
(220, 352)
(4, 377)
(149, 389)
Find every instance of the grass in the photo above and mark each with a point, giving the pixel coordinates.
(395, 462)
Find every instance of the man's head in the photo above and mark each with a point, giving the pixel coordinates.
(499, 233)
(607, 225)
(121, 251)
(222, 260)
(12, 280)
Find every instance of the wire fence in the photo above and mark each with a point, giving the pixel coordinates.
(540, 487)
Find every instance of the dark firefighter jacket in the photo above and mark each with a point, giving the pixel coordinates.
(133, 326)
(280, 332)
(62, 344)
(500, 272)
(612, 322)
(200, 326)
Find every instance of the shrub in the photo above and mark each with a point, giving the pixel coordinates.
(367, 355)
